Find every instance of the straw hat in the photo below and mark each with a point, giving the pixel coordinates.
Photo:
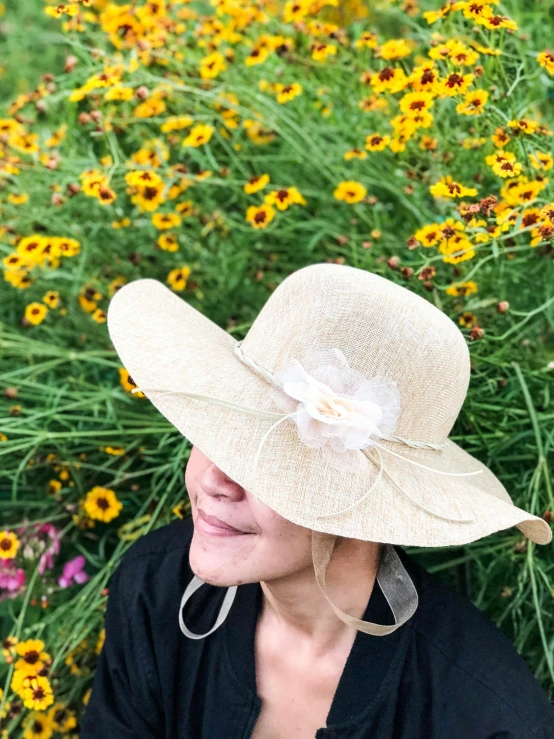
(334, 410)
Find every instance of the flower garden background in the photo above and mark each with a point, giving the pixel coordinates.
(218, 147)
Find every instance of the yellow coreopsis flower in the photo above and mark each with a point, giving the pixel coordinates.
(284, 197)
(165, 221)
(38, 695)
(168, 242)
(447, 188)
(416, 103)
(32, 657)
(454, 84)
(541, 160)
(102, 504)
(198, 135)
(389, 79)
(255, 183)
(376, 142)
(9, 544)
(212, 65)
(286, 93)
(395, 49)
(177, 278)
(546, 60)
(474, 103)
(37, 726)
(259, 216)
(35, 313)
(350, 191)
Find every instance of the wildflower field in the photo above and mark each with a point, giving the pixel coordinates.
(218, 147)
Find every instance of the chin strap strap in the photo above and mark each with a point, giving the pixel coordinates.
(395, 582)
(393, 578)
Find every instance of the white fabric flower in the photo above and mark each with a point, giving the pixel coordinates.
(335, 406)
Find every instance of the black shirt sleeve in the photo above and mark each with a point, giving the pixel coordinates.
(120, 704)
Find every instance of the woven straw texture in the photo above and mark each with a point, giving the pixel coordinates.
(383, 329)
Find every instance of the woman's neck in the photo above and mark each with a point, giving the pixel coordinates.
(294, 606)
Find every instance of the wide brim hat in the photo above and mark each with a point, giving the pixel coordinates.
(383, 330)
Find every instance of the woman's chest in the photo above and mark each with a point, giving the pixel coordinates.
(295, 700)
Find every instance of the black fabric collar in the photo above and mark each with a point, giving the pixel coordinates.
(367, 663)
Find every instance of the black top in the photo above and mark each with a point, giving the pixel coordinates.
(447, 673)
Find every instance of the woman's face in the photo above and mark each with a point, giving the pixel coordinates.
(263, 545)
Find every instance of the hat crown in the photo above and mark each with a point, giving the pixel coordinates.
(383, 329)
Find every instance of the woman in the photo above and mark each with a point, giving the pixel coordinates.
(363, 643)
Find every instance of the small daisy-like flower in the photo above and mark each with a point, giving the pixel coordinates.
(284, 197)
(454, 84)
(415, 103)
(165, 221)
(376, 142)
(541, 160)
(9, 544)
(128, 383)
(99, 316)
(177, 278)
(143, 178)
(8, 647)
(51, 298)
(102, 504)
(255, 183)
(320, 50)
(260, 216)
(62, 718)
(474, 103)
(350, 191)
(286, 93)
(35, 313)
(389, 79)
(37, 726)
(546, 60)
(32, 657)
(355, 154)
(212, 65)
(198, 135)
(428, 235)
(168, 242)
(462, 288)
(447, 188)
(38, 696)
(395, 49)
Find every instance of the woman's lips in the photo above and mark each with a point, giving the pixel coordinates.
(214, 526)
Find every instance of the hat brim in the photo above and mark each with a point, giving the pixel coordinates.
(163, 342)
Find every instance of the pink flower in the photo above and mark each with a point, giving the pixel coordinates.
(73, 572)
(12, 579)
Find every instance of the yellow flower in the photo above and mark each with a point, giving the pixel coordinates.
(416, 103)
(9, 544)
(447, 188)
(33, 658)
(456, 249)
(198, 135)
(255, 183)
(176, 123)
(428, 235)
(128, 383)
(355, 154)
(395, 49)
(546, 60)
(454, 84)
(212, 65)
(389, 79)
(286, 93)
(62, 718)
(37, 726)
(17, 198)
(260, 216)
(350, 191)
(165, 221)
(119, 92)
(541, 160)
(494, 22)
(177, 278)
(504, 164)
(99, 316)
(168, 242)
(474, 103)
(102, 504)
(38, 695)
(35, 313)
(51, 298)
(284, 197)
(123, 223)
(143, 178)
(376, 142)
(150, 108)
(462, 288)
(320, 50)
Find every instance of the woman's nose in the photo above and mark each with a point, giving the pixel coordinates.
(217, 484)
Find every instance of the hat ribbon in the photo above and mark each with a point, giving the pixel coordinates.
(280, 417)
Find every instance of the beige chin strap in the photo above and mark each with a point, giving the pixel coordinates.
(395, 582)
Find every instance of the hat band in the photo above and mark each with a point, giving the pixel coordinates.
(393, 578)
(280, 417)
